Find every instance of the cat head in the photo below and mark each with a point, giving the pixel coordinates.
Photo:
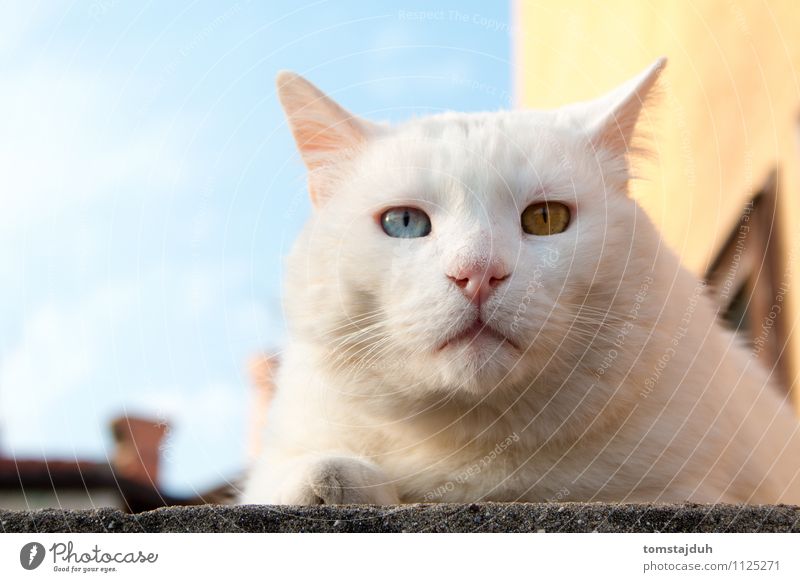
(465, 251)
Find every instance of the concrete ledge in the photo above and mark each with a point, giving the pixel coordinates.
(476, 517)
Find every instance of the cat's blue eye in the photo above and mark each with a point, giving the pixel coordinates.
(405, 222)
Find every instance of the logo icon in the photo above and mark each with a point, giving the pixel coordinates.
(31, 555)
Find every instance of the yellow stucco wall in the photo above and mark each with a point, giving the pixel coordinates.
(728, 113)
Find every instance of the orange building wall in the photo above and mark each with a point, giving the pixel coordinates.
(728, 113)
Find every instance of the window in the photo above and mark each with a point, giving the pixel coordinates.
(748, 280)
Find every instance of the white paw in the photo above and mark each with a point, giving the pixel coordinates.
(337, 480)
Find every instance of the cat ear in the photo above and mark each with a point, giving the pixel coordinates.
(324, 131)
(612, 118)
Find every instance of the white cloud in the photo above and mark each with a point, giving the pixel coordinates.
(20, 19)
(395, 47)
(210, 410)
(70, 139)
(93, 323)
(66, 139)
(74, 365)
(58, 353)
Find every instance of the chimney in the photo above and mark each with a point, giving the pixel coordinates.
(138, 442)
(262, 375)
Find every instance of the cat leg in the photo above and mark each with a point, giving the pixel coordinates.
(327, 481)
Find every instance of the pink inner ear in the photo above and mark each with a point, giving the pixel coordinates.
(319, 143)
(322, 146)
(325, 132)
(617, 133)
(618, 128)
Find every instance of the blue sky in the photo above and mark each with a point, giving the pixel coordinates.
(149, 189)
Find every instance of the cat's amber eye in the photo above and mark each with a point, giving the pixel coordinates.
(545, 218)
(405, 222)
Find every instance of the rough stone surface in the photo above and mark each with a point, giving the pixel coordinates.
(476, 517)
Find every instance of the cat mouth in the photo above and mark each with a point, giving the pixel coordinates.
(476, 334)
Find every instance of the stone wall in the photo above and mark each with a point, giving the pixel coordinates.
(476, 517)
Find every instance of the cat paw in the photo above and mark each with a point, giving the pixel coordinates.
(338, 481)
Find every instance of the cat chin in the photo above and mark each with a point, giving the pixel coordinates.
(479, 368)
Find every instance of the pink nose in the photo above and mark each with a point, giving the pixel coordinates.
(478, 281)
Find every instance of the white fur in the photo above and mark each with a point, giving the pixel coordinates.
(624, 388)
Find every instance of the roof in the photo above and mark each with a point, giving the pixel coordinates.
(81, 475)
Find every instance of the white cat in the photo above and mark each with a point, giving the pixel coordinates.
(478, 311)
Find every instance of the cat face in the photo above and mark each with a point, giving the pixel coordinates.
(462, 252)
